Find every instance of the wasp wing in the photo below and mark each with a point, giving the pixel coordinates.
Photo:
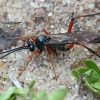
(79, 36)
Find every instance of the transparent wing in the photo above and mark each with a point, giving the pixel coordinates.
(82, 36)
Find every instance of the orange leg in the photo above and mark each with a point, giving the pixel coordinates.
(73, 19)
(25, 37)
(79, 16)
(21, 37)
(46, 32)
(46, 24)
(50, 61)
(79, 43)
(33, 39)
(30, 58)
(71, 46)
(48, 48)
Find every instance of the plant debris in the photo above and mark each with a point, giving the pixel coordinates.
(8, 38)
(14, 79)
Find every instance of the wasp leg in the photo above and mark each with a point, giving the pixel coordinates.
(63, 48)
(79, 16)
(50, 61)
(30, 58)
(46, 32)
(71, 25)
(48, 48)
(21, 37)
(47, 22)
(24, 37)
(33, 39)
(79, 43)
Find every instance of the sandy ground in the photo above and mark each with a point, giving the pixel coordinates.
(33, 15)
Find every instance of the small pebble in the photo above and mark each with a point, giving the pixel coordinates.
(33, 65)
(89, 24)
(63, 30)
(45, 62)
(4, 60)
(50, 14)
(31, 69)
(76, 26)
(52, 26)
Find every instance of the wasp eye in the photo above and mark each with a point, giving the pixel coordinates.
(32, 48)
(31, 45)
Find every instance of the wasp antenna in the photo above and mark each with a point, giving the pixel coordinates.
(16, 49)
(13, 50)
(6, 54)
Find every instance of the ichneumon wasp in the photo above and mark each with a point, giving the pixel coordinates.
(55, 42)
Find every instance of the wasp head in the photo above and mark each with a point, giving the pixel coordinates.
(31, 45)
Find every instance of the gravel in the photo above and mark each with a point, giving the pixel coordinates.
(33, 15)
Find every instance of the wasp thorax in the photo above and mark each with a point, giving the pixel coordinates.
(41, 39)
